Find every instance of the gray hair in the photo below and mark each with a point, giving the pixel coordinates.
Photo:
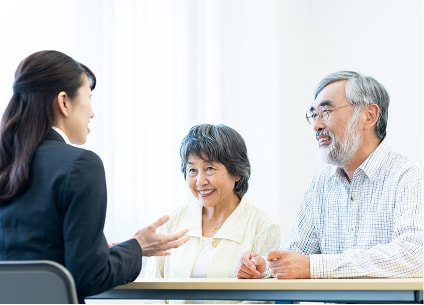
(362, 91)
(218, 143)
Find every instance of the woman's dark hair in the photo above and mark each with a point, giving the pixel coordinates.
(218, 143)
(30, 113)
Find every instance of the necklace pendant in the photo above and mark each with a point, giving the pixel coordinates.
(215, 242)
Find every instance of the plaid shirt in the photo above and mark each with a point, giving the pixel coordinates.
(371, 227)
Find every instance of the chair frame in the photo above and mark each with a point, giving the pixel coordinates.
(36, 281)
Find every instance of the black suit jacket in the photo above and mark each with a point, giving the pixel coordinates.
(61, 216)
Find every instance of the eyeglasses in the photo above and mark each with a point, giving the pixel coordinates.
(323, 113)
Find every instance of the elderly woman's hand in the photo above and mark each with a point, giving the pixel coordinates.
(251, 266)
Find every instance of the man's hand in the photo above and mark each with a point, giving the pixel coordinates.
(251, 266)
(289, 265)
(155, 244)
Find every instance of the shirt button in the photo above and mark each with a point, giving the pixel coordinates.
(352, 230)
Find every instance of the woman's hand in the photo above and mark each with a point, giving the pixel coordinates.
(251, 266)
(155, 244)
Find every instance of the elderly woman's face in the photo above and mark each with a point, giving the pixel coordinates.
(210, 182)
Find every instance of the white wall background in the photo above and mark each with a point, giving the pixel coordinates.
(165, 65)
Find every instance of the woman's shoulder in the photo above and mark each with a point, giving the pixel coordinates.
(62, 156)
(54, 147)
(192, 209)
(188, 215)
(257, 213)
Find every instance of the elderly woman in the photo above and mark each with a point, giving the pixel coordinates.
(221, 223)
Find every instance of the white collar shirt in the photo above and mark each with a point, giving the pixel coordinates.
(62, 134)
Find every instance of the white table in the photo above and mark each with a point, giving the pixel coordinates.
(313, 290)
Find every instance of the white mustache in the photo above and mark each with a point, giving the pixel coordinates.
(322, 132)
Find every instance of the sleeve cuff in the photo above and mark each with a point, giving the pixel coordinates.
(268, 272)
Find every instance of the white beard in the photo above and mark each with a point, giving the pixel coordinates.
(339, 152)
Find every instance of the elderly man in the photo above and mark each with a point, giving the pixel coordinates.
(362, 215)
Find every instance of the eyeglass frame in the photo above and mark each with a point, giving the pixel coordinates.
(311, 116)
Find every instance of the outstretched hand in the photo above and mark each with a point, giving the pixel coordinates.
(155, 244)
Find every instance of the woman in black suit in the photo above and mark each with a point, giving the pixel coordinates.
(52, 194)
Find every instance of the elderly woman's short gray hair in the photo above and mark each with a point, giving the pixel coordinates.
(222, 144)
